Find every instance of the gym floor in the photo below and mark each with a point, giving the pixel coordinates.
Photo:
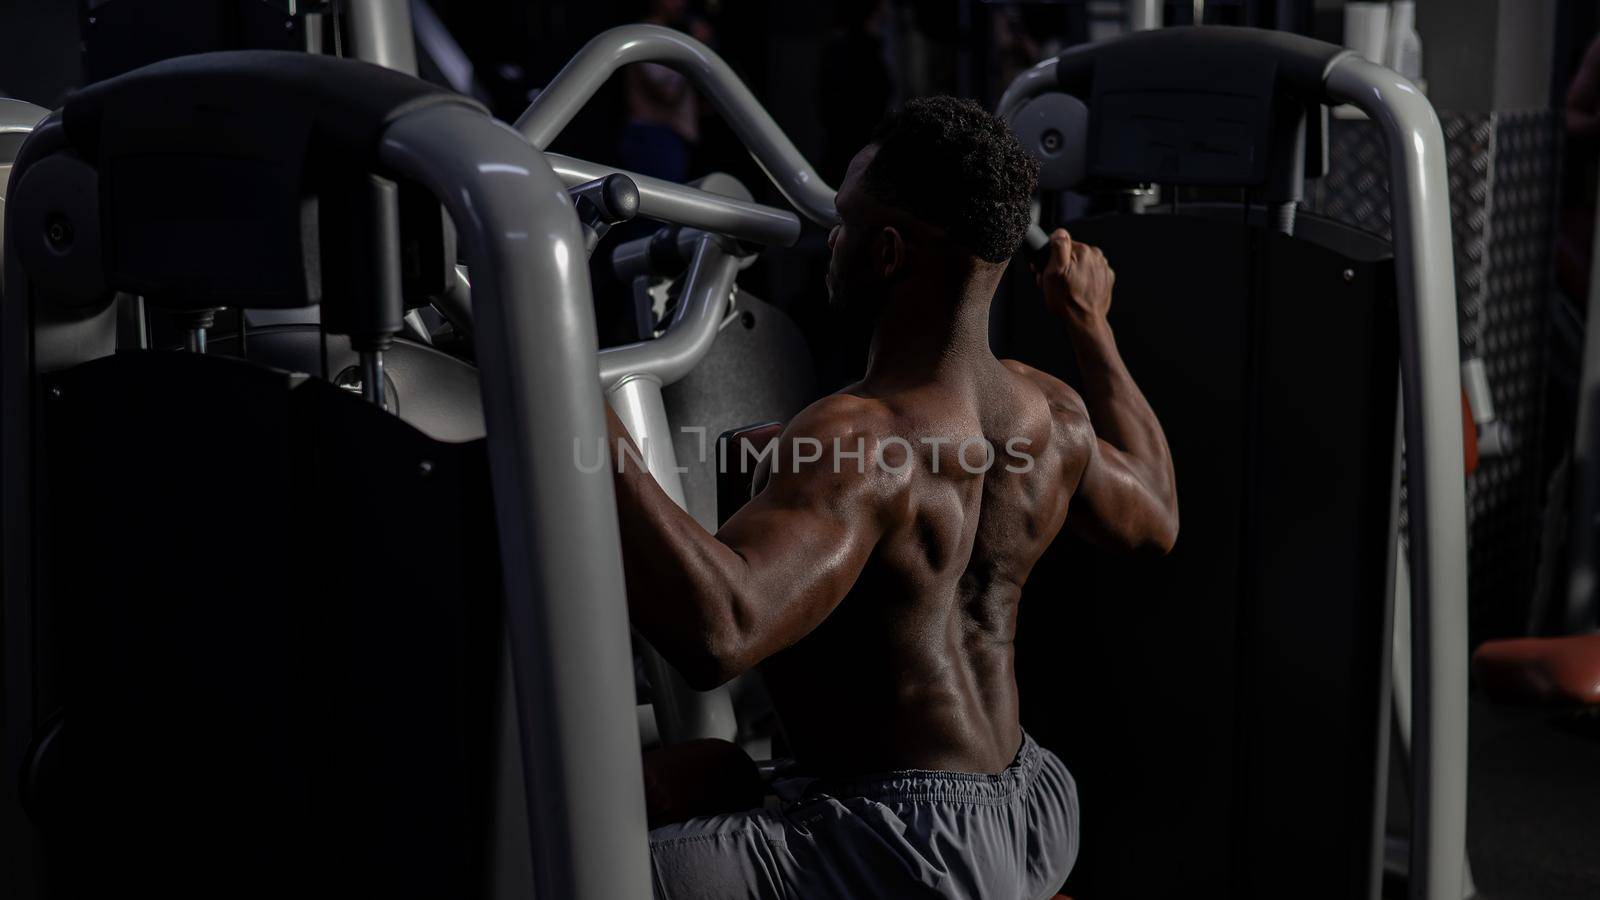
(1534, 826)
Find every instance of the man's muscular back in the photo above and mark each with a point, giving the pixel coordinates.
(877, 572)
(877, 581)
(914, 669)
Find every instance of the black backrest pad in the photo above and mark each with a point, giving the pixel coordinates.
(274, 625)
(212, 166)
(1221, 708)
(1196, 106)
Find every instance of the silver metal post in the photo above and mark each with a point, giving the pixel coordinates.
(637, 400)
(380, 33)
(566, 617)
(682, 713)
(1144, 15)
(633, 376)
(373, 388)
(1431, 387)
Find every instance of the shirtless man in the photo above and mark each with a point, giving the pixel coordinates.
(878, 586)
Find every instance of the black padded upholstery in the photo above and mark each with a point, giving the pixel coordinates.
(1257, 122)
(223, 175)
(1176, 59)
(1207, 698)
(298, 101)
(272, 676)
(274, 626)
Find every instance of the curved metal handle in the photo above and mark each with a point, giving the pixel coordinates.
(1430, 384)
(1430, 369)
(609, 51)
(693, 330)
(566, 613)
(19, 116)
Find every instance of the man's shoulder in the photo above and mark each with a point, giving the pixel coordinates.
(1065, 403)
(840, 445)
(843, 416)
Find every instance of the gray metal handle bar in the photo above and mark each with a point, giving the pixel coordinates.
(694, 326)
(575, 84)
(689, 206)
(714, 261)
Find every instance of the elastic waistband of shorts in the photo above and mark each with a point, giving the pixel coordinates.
(931, 784)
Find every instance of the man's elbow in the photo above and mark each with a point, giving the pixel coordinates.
(716, 656)
(1157, 538)
(708, 671)
(1165, 537)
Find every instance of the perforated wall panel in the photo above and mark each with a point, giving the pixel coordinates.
(1502, 169)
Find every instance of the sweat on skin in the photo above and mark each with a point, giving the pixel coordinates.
(881, 601)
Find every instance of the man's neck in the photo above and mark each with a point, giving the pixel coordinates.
(933, 327)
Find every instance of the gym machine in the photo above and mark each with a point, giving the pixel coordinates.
(264, 691)
(17, 119)
(204, 677)
(1300, 729)
(570, 752)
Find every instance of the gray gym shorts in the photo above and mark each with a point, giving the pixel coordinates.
(914, 833)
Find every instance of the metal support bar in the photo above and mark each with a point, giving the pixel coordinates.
(566, 617)
(695, 208)
(1431, 387)
(1144, 15)
(1397, 851)
(681, 712)
(17, 478)
(633, 375)
(706, 289)
(609, 51)
(18, 117)
(380, 33)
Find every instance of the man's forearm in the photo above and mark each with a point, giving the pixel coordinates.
(1117, 408)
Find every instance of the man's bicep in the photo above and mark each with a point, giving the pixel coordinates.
(804, 538)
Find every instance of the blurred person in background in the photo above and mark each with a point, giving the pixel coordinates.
(663, 113)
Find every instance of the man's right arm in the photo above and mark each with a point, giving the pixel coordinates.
(1127, 497)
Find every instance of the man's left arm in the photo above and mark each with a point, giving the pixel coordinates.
(715, 605)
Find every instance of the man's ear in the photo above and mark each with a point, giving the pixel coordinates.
(890, 252)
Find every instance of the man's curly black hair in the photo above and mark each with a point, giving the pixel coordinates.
(951, 164)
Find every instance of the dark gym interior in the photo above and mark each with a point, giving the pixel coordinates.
(303, 593)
